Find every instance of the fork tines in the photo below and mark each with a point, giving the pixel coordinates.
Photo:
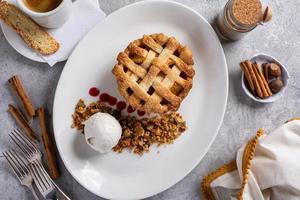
(40, 178)
(17, 163)
(27, 147)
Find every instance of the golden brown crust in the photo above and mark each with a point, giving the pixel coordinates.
(155, 73)
(29, 31)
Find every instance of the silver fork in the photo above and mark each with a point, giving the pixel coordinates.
(42, 182)
(33, 155)
(30, 151)
(18, 165)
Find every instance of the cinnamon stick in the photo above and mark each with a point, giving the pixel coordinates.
(264, 80)
(260, 82)
(254, 79)
(22, 123)
(248, 77)
(266, 67)
(48, 145)
(16, 85)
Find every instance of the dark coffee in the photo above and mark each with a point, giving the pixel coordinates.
(42, 5)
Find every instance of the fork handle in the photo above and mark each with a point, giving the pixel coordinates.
(61, 194)
(33, 192)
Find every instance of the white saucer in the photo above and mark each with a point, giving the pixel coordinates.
(20, 46)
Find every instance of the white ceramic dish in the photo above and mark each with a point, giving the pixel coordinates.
(126, 175)
(260, 59)
(52, 19)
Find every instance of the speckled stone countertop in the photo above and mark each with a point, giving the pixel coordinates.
(279, 38)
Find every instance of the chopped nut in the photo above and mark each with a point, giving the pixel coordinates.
(138, 134)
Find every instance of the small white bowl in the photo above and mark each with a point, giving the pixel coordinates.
(263, 58)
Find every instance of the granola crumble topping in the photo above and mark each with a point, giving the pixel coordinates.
(137, 134)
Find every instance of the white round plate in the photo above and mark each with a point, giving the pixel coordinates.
(126, 175)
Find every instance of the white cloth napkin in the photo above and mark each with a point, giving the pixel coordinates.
(85, 14)
(275, 169)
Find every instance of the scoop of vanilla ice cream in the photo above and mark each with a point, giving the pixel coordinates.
(102, 132)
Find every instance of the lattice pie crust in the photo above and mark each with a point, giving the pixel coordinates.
(155, 73)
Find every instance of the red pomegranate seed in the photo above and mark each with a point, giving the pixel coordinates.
(94, 91)
(130, 109)
(112, 101)
(104, 97)
(121, 105)
(140, 113)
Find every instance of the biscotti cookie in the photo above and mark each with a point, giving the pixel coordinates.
(30, 32)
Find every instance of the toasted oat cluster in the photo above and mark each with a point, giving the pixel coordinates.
(137, 134)
(83, 112)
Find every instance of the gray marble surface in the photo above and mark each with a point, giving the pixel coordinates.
(280, 38)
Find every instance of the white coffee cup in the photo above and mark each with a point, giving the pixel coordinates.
(52, 19)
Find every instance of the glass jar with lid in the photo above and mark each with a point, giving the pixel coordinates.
(240, 17)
